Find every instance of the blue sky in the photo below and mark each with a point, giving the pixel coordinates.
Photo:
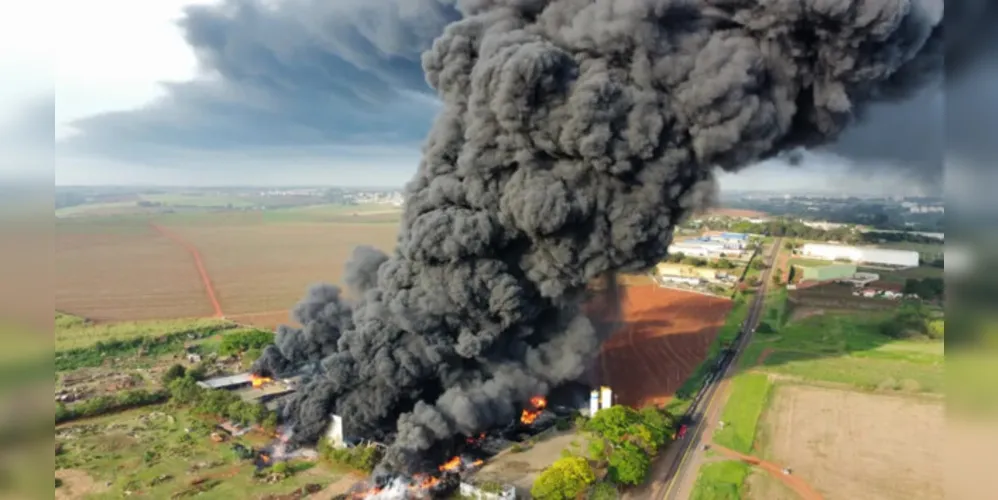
(311, 92)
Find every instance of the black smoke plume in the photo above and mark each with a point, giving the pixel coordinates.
(574, 136)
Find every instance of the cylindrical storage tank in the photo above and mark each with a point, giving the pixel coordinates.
(593, 402)
(607, 395)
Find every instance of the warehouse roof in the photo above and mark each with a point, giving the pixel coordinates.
(219, 382)
(734, 236)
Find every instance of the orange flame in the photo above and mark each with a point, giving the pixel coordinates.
(451, 464)
(258, 381)
(265, 458)
(529, 416)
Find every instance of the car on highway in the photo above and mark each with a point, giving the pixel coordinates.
(682, 432)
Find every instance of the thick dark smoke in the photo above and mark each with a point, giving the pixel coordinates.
(574, 136)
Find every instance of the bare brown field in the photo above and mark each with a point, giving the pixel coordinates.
(666, 334)
(267, 268)
(735, 212)
(856, 445)
(126, 275)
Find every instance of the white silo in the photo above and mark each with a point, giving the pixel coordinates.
(607, 396)
(593, 402)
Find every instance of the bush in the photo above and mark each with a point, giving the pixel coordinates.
(281, 468)
(563, 424)
(199, 372)
(603, 491)
(174, 372)
(516, 448)
(242, 341)
(363, 458)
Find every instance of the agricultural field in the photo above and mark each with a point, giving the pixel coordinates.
(830, 395)
(259, 264)
(126, 271)
(852, 444)
(166, 452)
(665, 335)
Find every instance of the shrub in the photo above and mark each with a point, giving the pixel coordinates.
(174, 372)
(603, 491)
(563, 424)
(242, 341)
(516, 448)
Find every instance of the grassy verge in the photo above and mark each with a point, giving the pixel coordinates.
(725, 335)
(720, 481)
(72, 332)
(749, 396)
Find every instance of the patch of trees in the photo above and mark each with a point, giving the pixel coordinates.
(622, 443)
(898, 237)
(758, 264)
(913, 320)
(102, 405)
(925, 288)
(82, 357)
(680, 258)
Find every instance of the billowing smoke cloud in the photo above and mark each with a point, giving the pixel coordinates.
(574, 136)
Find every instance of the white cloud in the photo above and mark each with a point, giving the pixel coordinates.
(112, 55)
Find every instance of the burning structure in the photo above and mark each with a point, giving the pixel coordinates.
(574, 136)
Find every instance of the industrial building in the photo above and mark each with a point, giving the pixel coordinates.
(709, 247)
(861, 255)
(668, 269)
(229, 383)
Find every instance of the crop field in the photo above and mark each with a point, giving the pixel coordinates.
(856, 445)
(666, 334)
(125, 272)
(259, 264)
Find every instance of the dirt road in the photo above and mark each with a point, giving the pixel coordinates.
(793, 482)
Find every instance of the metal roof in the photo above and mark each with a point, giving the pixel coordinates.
(216, 383)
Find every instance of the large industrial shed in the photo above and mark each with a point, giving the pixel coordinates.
(864, 255)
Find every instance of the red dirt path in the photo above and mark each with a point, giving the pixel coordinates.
(666, 334)
(208, 288)
(793, 482)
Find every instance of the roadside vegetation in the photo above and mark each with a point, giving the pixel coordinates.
(720, 481)
(749, 397)
(622, 444)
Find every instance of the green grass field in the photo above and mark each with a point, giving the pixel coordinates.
(720, 481)
(72, 332)
(156, 452)
(748, 398)
(846, 348)
(177, 199)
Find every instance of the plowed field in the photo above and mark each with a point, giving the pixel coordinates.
(126, 275)
(666, 334)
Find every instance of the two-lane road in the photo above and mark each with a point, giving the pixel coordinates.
(680, 461)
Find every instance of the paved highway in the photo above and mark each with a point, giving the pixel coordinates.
(707, 402)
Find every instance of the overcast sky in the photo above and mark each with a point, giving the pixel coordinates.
(188, 92)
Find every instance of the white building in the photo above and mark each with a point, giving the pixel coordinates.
(865, 255)
(706, 248)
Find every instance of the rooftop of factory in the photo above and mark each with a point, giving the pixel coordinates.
(227, 381)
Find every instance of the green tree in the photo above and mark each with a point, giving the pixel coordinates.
(628, 464)
(566, 479)
(185, 390)
(757, 263)
(777, 280)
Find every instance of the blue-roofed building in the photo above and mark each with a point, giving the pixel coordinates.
(734, 236)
